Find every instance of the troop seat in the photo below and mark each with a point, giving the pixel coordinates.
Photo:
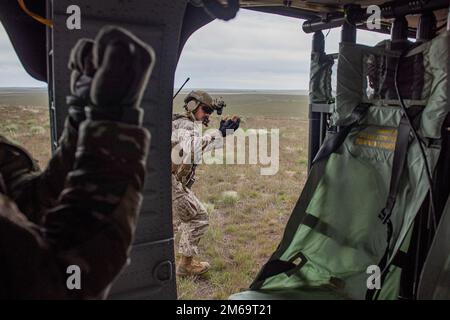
(369, 178)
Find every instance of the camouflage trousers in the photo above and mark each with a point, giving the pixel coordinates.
(193, 218)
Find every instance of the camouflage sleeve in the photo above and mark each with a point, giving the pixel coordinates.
(214, 138)
(92, 225)
(193, 141)
(36, 191)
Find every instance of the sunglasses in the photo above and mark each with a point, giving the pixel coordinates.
(207, 109)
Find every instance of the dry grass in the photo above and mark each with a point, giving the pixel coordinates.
(29, 127)
(244, 230)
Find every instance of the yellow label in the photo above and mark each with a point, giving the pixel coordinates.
(379, 138)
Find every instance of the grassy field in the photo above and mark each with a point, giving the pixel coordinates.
(29, 127)
(25, 120)
(263, 104)
(247, 211)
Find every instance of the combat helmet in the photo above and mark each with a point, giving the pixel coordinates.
(197, 97)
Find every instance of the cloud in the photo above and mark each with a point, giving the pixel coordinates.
(12, 73)
(254, 51)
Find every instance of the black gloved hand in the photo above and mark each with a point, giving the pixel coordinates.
(81, 64)
(123, 64)
(118, 66)
(228, 126)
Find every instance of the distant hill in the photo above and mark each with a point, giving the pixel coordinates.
(276, 103)
(257, 104)
(247, 91)
(24, 97)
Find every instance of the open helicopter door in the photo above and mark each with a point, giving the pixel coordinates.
(151, 274)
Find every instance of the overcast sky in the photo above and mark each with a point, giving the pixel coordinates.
(253, 51)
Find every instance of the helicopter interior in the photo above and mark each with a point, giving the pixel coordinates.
(385, 130)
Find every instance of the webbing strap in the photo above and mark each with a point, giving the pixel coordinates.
(275, 267)
(398, 164)
(335, 139)
(327, 230)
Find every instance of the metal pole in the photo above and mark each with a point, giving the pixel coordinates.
(318, 43)
(348, 32)
(388, 11)
(315, 118)
(426, 29)
(399, 31)
(399, 42)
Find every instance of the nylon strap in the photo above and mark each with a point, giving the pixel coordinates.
(398, 165)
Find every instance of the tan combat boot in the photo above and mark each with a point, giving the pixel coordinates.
(190, 267)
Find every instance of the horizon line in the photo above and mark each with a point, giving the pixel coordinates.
(188, 88)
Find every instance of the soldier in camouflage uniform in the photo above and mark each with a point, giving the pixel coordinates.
(188, 144)
(82, 209)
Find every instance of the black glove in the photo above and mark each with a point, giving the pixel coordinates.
(81, 64)
(228, 126)
(121, 67)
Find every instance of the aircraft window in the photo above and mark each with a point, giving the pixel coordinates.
(363, 37)
(23, 105)
(259, 64)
